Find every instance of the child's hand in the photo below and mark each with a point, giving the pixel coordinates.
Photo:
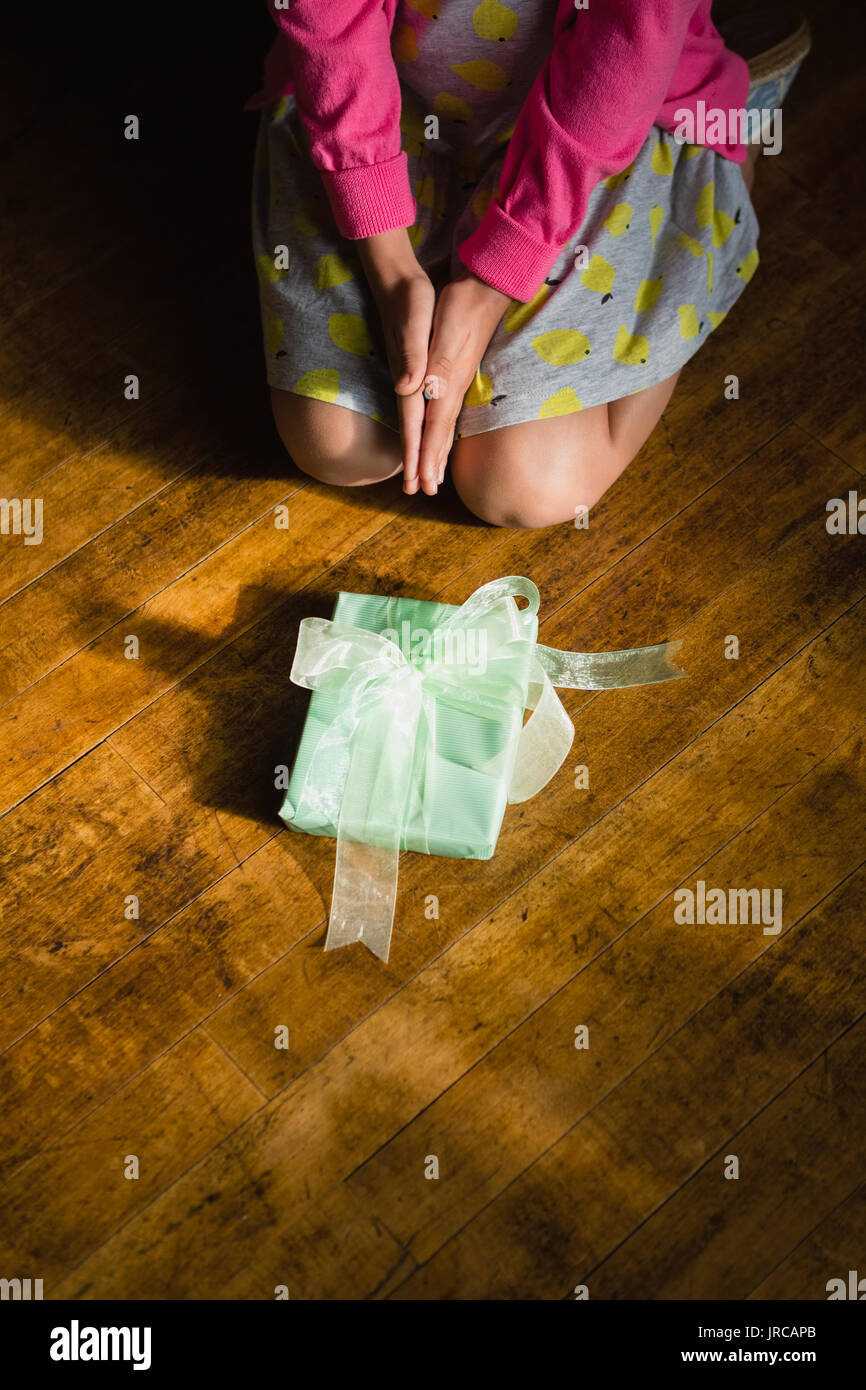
(405, 299)
(466, 317)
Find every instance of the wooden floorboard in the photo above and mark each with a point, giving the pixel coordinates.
(153, 1034)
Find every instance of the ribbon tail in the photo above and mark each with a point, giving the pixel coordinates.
(372, 814)
(545, 739)
(365, 875)
(611, 670)
(364, 897)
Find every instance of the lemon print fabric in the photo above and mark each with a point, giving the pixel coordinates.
(689, 324)
(748, 265)
(269, 271)
(494, 21)
(599, 277)
(705, 206)
(632, 349)
(662, 159)
(321, 384)
(332, 271)
(274, 332)
(667, 245)
(648, 292)
(480, 392)
(656, 218)
(350, 332)
(452, 108)
(564, 402)
(562, 346)
(616, 180)
(413, 130)
(483, 74)
(519, 314)
(691, 244)
(619, 220)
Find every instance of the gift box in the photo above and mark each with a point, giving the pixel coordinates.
(415, 736)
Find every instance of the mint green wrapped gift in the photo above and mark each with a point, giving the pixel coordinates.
(415, 736)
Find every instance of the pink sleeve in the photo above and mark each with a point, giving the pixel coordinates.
(348, 96)
(586, 117)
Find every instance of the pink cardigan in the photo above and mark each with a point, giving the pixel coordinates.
(617, 67)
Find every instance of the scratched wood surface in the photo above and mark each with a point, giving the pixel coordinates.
(153, 1036)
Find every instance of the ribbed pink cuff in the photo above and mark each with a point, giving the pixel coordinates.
(505, 256)
(371, 198)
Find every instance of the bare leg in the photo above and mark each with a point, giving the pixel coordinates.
(542, 472)
(632, 419)
(333, 444)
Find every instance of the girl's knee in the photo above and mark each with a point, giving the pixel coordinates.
(535, 480)
(334, 445)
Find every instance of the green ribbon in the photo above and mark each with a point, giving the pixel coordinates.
(360, 776)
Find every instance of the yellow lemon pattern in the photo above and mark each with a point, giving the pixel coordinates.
(619, 220)
(689, 243)
(723, 225)
(648, 292)
(748, 266)
(517, 314)
(452, 108)
(565, 402)
(332, 271)
(599, 276)
(616, 180)
(413, 131)
(350, 332)
(689, 325)
(665, 246)
(656, 218)
(562, 346)
(269, 273)
(274, 333)
(481, 73)
(481, 390)
(494, 21)
(705, 205)
(662, 160)
(632, 349)
(321, 384)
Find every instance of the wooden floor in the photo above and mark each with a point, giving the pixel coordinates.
(154, 1037)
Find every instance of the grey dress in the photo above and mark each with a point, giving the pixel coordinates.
(665, 249)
